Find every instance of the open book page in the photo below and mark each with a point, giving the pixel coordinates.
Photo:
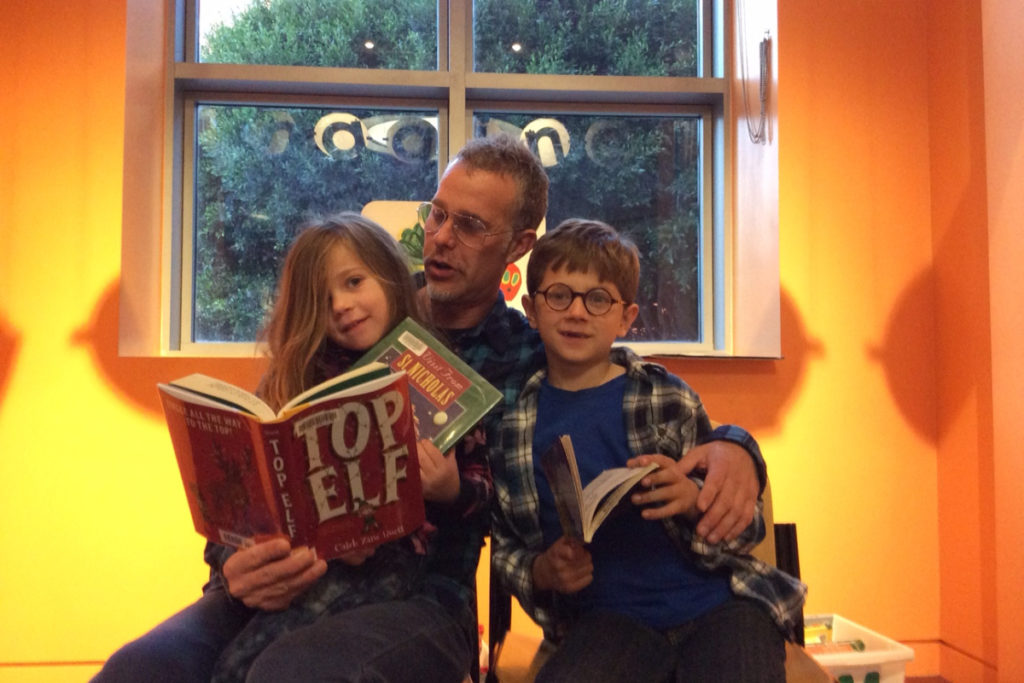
(559, 465)
(335, 385)
(605, 491)
(225, 394)
(582, 510)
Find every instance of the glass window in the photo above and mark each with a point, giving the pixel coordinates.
(284, 109)
(642, 175)
(260, 171)
(382, 34)
(602, 38)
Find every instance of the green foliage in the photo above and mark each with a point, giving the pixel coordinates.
(606, 37)
(254, 192)
(260, 172)
(639, 174)
(330, 33)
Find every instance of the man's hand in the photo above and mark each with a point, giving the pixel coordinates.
(271, 574)
(439, 473)
(565, 567)
(729, 496)
(670, 492)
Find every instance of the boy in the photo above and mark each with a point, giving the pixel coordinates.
(648, 599)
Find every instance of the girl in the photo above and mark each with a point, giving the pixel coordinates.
(402, 611)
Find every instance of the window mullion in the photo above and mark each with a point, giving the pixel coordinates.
(459, 31)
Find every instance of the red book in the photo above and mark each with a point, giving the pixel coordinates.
(335, 469)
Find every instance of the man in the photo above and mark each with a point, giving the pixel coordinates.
(485, 215)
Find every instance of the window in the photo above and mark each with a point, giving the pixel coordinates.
(275, 110)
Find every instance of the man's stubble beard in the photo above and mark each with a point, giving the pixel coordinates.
(435, 294)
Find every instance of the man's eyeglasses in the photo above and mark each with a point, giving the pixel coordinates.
(470, 230)
(597, 301)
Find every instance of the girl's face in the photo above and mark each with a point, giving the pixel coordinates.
(360, 314)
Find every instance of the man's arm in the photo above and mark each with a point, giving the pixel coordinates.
(735, 476)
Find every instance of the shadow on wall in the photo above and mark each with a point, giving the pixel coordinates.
(753, 393)
(910, 368)
(9, 342)
(134, 379)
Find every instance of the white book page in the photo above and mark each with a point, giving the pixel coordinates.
(204, 384)
(323, 391)
(605, 491)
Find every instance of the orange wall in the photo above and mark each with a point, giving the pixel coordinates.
(960, 273)
(877, 424)
(847, 418)
(1002, 21)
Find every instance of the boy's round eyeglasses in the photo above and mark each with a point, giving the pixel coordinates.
(597, 301)
(469, 230)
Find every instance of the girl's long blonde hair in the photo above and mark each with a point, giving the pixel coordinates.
(296, 330)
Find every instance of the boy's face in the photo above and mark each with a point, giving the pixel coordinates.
(575, 339)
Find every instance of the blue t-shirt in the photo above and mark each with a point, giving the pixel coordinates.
(637, 569)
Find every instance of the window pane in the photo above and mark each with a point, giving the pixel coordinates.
(642, 176)
(383, 34)
(261, 171)
(595, 37)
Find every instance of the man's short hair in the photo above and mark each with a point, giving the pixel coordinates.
(580, 245)
(506, 155)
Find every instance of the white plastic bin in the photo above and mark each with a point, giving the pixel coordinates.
(883, 660)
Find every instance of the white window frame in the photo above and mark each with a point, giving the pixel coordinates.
(741, 301)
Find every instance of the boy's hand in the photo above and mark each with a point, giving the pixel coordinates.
(439, 473)
(271, 574)
(729, 496)
(565, 567)
(670, 491)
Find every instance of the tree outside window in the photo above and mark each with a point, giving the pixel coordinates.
(262, 169)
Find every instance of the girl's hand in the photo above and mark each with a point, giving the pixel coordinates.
(439, 473)
(271, 574)
(355, 558)
(565, 567)
(670, 492)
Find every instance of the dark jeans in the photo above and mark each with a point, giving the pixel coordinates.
(413, 641)
(736, 642)
(182, 649)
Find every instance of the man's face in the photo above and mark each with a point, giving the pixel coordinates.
(460, 275)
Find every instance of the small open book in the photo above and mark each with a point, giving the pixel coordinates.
(582, 510)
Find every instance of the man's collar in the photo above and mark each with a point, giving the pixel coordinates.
(494, 328)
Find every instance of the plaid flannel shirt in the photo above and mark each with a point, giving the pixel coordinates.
(505, 350)
(662, 415)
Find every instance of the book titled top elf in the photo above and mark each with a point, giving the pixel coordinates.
(336, 468)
